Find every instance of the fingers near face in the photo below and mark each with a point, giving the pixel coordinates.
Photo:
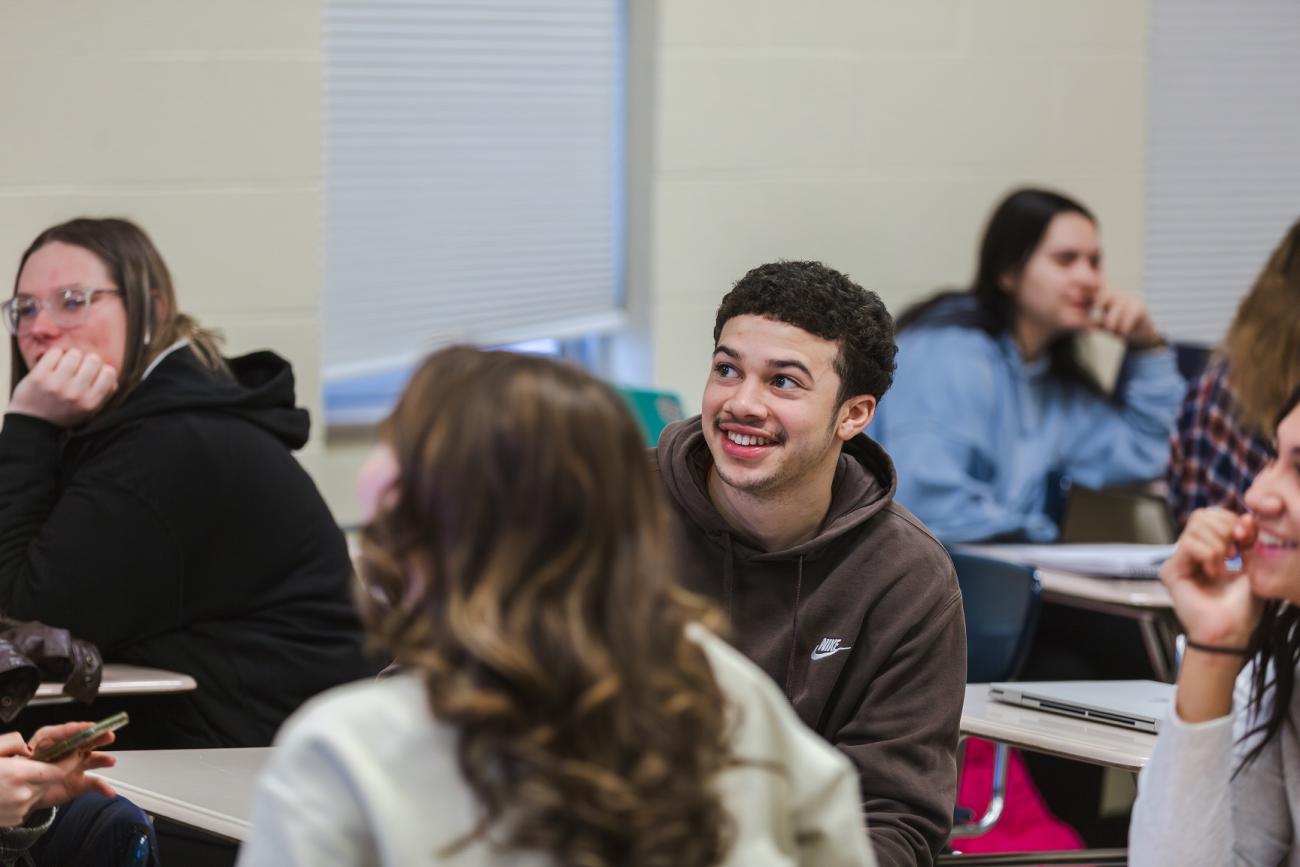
(84, 375)
(102, 387)
(1209, 540)
(84, 380)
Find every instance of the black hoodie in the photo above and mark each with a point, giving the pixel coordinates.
(177, 530)
(861, 626)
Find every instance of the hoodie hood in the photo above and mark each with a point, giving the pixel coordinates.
(259, 389)
(864, 485)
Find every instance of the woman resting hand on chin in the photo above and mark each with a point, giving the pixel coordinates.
(1223, 784)
(150, 502)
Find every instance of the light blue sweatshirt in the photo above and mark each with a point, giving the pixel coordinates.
(975, 431)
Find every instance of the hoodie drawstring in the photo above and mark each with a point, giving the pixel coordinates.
(728, 574)
(794, 629)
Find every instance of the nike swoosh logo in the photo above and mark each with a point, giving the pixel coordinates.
(816, 654)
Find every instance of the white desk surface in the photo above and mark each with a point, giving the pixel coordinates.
(1130, 592)
(121, 679)
(213, 789)
(1055, 734)
(207, 789)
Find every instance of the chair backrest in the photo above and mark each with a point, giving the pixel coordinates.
(1131, 514)
(654, 410)
(1191, 359)
(1001, 601)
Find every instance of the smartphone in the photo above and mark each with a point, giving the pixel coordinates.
(58, 750)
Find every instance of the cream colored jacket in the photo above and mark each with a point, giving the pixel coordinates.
(363, 775)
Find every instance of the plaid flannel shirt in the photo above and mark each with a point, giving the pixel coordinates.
(1212, 458)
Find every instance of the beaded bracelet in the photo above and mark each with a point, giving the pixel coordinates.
(1215, 648)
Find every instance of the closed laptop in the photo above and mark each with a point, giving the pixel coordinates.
(1139, 705)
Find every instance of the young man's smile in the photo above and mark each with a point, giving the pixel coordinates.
(746, 443)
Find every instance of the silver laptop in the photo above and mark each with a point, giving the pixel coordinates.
(1140, 705)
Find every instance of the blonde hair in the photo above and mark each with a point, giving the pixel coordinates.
(1262, 348)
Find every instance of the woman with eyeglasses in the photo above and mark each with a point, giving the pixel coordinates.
(560, 702)
(1222, 788)
(149, 500)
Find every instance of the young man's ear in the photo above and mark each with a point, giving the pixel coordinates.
(854, 416)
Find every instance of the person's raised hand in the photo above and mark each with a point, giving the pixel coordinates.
(1126, 317)
(65, 387)
(1216, 606)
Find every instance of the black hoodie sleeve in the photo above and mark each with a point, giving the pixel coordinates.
(91, 557)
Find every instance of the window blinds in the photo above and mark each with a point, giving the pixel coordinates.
(1223, 164)
(473, 175)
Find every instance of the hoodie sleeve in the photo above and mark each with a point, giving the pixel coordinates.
(87, 555)
(903, 736)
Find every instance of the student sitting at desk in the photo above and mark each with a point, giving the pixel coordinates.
(149, 501)
(558, 704)
(991, 399)
(1223, 784)
(1224, 429)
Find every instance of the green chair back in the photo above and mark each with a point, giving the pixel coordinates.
(654, 410)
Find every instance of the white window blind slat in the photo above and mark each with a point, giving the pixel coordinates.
(472, 175)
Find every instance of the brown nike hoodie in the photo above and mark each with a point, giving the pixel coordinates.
(861, 626)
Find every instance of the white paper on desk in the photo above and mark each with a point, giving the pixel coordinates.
(1105, 560)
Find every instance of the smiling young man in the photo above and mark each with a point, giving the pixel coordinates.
(785, 516)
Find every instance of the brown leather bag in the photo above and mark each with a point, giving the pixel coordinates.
(32, 652)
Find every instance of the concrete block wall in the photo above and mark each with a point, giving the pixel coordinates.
(876, 136)
(201, 122)
(872, 134)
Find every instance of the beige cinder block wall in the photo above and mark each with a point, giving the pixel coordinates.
(875, 135)
(200, 121)
(872, 134)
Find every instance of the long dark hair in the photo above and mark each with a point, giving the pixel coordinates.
(152, 321)
(1276, 645)
(1014, 231)
(522, 567)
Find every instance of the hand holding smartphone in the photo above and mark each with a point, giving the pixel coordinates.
(59, 749)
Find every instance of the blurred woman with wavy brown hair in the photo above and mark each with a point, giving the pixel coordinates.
(559, 701)
(1224, 437)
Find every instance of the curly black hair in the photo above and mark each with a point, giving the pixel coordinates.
(824, 302)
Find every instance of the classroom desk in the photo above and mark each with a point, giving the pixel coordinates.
(122, 680)
(1054, 734)
(1143, 600)
(211, 790)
